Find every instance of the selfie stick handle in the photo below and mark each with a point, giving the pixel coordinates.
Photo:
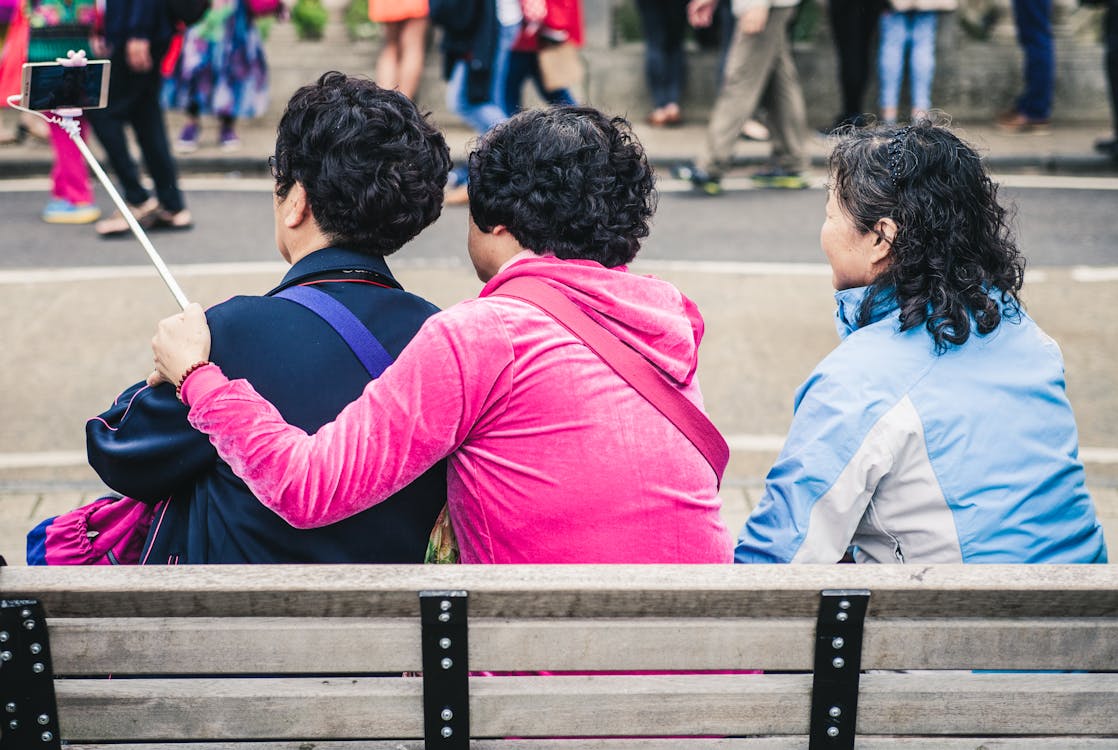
(70, 125)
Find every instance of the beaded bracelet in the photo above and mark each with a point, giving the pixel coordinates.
(187, 373)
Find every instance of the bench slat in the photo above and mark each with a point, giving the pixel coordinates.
(123, 646)
(569, 590)
(568, 706)
(736, 743)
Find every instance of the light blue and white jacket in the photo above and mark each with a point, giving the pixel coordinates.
(911, 456)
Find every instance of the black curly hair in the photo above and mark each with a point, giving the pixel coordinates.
(564, 180)
(954, 254)
(373, 167)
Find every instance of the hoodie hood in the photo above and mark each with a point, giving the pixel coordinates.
(648, 314)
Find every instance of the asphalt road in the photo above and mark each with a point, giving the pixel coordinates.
(1056, 227)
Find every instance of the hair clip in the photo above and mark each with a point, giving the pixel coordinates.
(896, 149)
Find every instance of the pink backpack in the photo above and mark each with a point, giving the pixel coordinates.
(109, 531)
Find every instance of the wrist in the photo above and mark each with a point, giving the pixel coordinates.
(187, 373)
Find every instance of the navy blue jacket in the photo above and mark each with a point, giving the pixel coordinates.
(137, 19)
(143, 446)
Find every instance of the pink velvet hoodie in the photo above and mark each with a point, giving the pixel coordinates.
(552, 457)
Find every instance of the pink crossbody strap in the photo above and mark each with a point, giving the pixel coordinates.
(634, 369)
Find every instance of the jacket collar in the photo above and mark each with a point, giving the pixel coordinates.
(333, 259)
(850, 302)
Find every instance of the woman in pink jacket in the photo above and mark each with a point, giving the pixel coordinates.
(553, 458)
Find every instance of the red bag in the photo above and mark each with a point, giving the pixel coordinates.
(109, 531)
(13, 55)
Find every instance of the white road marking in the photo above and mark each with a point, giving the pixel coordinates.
(1089, 274)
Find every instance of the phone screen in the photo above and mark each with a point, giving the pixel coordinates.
(53, 86)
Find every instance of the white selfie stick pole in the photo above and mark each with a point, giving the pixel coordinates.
(66, 119)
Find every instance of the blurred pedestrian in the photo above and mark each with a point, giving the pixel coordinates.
(221, 71)
(56, 27)
(1033, 109)
(400, 62)
(475, 61)
(548, 27)
(664, 23)
(908, 33)
(759, 69)
(1109, 146)
(136, 36)
(853, 23)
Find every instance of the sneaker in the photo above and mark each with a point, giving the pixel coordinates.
(187, 142)
(1019, 122)
(779, 178)
(701, 180)
(60, 211)
(229, 140)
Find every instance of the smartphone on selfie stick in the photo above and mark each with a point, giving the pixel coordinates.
(58, 92)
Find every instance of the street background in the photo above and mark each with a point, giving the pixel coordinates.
(78, 312)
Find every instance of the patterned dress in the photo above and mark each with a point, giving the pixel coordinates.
(221, 69)
(58, 26)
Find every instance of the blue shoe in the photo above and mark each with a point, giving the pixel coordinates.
(60, 211)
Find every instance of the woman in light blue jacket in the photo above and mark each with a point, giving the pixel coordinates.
(939, 430)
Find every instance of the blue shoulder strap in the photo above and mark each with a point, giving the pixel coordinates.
(364, 344)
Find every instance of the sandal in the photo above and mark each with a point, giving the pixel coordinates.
(117, 226)
(165, 220)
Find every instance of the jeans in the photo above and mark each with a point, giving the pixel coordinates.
(134, 99)
(1034, 34)
(664, 23)
(913, 35)
(481, 116)
(525, 66)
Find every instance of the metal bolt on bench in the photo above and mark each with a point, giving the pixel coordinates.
(30, 715)
(838, 661)
(446, 674)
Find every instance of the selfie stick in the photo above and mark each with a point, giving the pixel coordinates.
(66, 119)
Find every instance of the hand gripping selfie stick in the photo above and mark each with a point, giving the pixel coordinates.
(67, 120)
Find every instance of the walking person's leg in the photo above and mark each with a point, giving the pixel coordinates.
(1034, 33)
(71, 193)
(151, 135)
(108, 125)
(922, 61)
(890, 63)
(784, 98)
(386, 72)
(749, 64)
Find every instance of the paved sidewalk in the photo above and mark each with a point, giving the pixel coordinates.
(1066, 149)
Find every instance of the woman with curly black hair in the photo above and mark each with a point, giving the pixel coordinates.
(939, 430)
(552, 456)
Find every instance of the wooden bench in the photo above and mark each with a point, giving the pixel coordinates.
(311, 658)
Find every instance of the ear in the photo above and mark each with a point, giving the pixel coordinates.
(295, 209)
(882, 249)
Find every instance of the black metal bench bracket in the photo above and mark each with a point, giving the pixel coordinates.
(27, 705)
(838, 663)
(446, 673)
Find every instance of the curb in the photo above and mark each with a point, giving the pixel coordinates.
(254, 166)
